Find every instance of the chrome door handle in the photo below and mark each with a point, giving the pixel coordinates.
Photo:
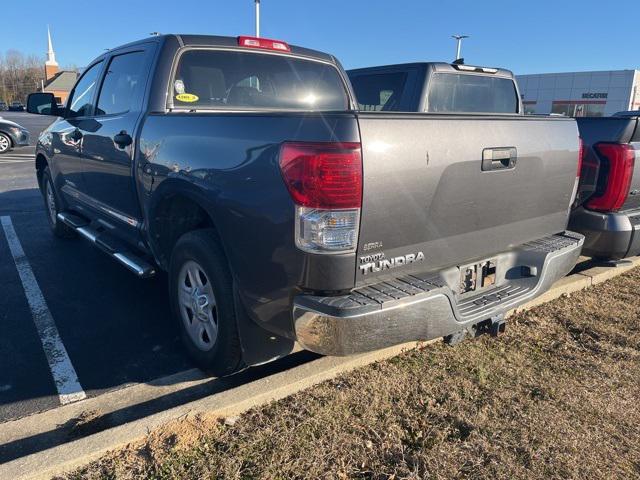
(501, 158)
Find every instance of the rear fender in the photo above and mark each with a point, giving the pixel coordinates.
(258, 345)
(170, 188)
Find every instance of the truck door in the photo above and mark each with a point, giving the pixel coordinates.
(66, 134)
(108, 143)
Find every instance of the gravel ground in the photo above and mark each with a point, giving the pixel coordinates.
(557, 396)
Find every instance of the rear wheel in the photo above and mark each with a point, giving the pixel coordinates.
(52, 207)
(201, 292)
(5, 143)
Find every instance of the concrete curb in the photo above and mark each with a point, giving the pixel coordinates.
(578, 281)
(67, 456)
(56, 460)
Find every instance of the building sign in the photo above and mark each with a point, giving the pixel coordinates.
(595, 95)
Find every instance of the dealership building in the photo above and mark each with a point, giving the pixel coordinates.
(580, 94)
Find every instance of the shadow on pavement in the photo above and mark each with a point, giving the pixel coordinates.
(65, 433)
(117, 329)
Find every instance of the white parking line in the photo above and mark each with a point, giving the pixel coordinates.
(64, 375)
(16, 158)
(26, 156)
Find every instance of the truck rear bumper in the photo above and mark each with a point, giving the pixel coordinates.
(423, 307)
(607, 235)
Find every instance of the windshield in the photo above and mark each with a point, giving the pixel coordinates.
(238, 80)
(455, 92)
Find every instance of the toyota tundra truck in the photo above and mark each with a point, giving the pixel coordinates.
(281, 213)
(607, 209)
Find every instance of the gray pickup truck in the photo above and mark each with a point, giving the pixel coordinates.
(608, 204)
(243, 168)
(436, 87)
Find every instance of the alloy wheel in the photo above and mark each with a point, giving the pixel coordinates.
(51, 202)
(198, 308)
(5, 144)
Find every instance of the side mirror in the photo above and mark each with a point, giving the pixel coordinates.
(42, 104)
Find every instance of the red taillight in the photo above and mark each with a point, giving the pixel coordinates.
(617, 166)
(581, 154)
(257, 42)
(323, 175)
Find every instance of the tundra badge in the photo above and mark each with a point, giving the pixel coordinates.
(377, 262)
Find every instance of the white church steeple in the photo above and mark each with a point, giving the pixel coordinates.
(51, 55)
(50, 66)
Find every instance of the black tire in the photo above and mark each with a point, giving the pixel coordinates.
(224, 355)
(52, 207)
(5, 143)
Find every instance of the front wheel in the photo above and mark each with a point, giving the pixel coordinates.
(5, 143)
(201, 293)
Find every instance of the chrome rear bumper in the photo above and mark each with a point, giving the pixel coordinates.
(423, 307)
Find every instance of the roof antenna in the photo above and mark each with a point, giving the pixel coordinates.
(458, 61)
(257, 2)
(458, 47)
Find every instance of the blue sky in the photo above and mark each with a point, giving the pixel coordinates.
(532, 36)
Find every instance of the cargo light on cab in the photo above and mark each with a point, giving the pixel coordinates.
(472, 68)
(325, 182)
(264, 43)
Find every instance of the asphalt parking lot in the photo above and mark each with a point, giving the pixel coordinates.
(116, 329)
(76, 319)
(75, 324)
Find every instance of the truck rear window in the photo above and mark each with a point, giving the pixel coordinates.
(460, 93)
(379, 91)
(237, 80)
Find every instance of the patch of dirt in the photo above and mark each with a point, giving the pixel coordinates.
(87, 423)
(557, 396)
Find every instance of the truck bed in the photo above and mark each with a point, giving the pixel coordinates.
(426, 189)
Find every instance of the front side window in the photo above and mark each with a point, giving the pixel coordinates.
(379, 91)
(122, 86)
(238, 80)
(81, 103)
(468, 93)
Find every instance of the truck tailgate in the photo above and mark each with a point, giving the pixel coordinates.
(461, 188)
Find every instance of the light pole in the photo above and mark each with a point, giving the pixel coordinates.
(459, 43)
(257, 18)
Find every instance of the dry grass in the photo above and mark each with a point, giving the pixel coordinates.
(558, 396)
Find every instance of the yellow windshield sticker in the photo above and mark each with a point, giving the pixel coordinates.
(187, 97)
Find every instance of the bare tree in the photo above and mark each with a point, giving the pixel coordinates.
(19, 75)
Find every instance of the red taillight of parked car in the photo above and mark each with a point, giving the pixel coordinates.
(323, 175)
(616, 171)
(325, 182)
(581, 154)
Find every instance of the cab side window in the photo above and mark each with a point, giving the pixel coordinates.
(122, 87)
(81, 102)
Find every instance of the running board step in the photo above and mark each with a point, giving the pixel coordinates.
(73, 220)
(104, 242)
